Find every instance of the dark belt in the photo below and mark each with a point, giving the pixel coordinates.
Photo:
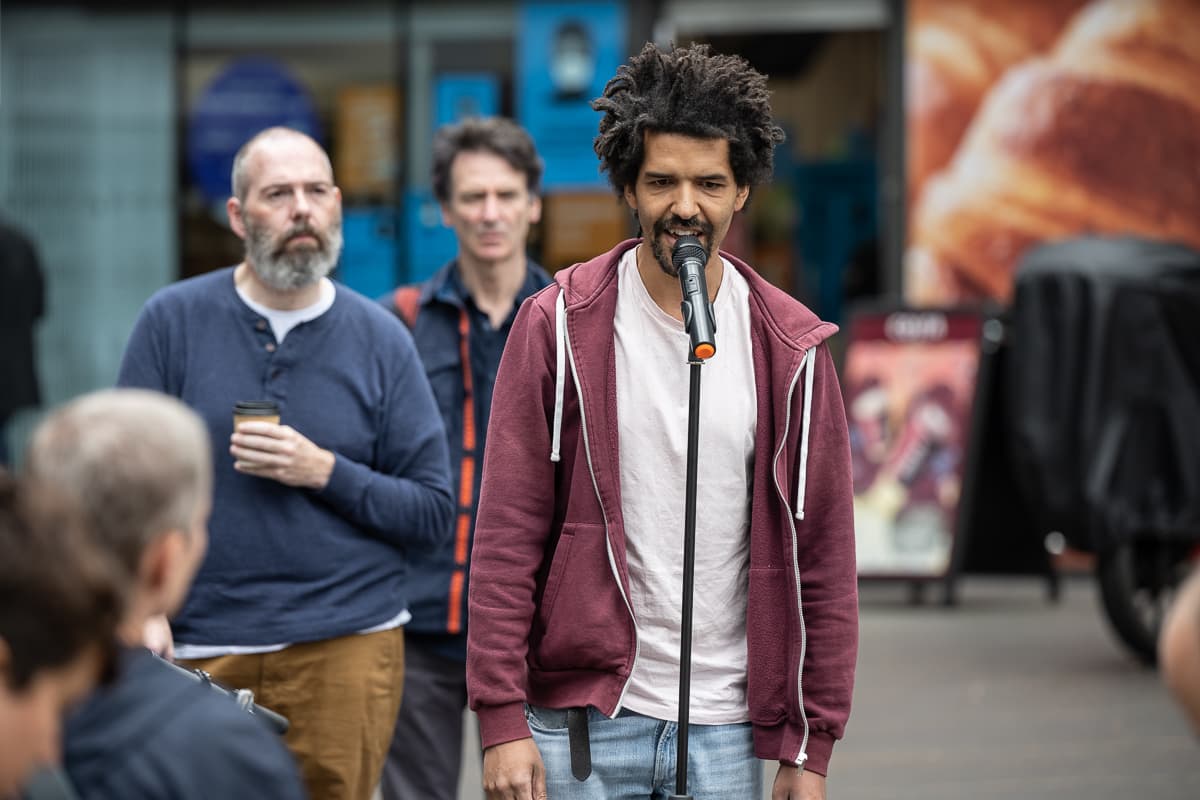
(581, 748)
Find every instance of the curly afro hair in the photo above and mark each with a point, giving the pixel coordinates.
(688, 91)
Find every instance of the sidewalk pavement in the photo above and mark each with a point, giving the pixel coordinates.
(1004, 696)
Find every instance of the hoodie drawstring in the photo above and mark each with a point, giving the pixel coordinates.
(802, 480)
(560, 372)
(560, 377)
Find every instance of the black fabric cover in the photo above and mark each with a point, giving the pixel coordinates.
(22, 301)
(1103, 384)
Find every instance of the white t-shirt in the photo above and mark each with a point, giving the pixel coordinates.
(282, 321)
(653, 379)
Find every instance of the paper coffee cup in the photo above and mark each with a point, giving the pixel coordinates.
(255, 411)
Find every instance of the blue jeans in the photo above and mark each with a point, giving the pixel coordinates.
(633, 758)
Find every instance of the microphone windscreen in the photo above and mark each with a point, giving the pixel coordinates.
(687, 247)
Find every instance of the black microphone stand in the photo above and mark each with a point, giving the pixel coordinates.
(690, 259)
(689, 580)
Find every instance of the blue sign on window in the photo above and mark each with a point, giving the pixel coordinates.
(460, 95)
(368, 263)
(568, 51)
(429, 243)
(247, 96)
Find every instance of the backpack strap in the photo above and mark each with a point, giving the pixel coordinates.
(405, 302)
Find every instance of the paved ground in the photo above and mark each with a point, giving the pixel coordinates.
(1004, 696)
(1007, 696)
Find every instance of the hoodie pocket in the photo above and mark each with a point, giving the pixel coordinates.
(582, 621)
(558, 565)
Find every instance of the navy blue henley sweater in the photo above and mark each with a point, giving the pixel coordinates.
(287, 564)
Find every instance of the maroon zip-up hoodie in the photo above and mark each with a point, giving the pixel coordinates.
(551, 621)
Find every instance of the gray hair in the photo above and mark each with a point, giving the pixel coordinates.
(239, 180)
(138, 464)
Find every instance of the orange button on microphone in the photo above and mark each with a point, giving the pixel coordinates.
(705, 351)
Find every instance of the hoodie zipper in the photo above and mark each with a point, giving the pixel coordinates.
(612, 559)
(801, 757)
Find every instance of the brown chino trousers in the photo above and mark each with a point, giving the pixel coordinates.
(341, 697)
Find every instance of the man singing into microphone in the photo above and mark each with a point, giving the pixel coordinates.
(573, 653)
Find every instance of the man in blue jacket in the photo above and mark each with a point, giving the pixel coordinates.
(303, 593)
(486, 176)
(138, 465)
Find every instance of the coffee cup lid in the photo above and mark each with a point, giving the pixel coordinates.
(257, 407)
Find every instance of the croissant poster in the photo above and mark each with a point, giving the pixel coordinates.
(909, 380)
(1029, 121)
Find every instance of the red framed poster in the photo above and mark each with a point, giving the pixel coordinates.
(909, 379)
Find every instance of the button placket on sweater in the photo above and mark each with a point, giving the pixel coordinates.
(272, 370)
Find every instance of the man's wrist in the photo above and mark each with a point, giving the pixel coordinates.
(326, 461)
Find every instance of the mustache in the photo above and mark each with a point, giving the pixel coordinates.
(663, 224)
(301, 229)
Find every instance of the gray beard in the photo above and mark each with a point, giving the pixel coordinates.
(289, 270)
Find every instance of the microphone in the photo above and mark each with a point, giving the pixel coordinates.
(689, 259)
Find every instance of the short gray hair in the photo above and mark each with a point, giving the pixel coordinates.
(239, 180)
(136, 462)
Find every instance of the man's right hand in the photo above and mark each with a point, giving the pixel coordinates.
(514, 771)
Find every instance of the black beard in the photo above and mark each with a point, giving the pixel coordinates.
(661, 226)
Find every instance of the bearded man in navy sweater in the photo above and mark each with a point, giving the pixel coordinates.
(301, 598)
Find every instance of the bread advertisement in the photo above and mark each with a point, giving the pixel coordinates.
(1031, 121)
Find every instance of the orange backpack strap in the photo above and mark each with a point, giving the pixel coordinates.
(405, 301)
